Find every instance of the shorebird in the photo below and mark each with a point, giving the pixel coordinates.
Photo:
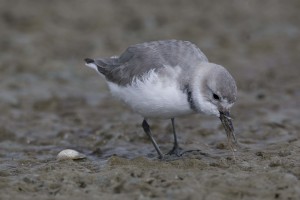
(168, 79)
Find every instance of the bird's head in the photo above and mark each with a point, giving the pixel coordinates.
(214, 93)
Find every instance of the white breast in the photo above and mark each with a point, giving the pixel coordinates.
(154, 96)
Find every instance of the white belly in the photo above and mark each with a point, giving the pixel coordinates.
(153, 97)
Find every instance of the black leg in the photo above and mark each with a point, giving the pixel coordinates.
(174, 132)
(147, 130)
(176, 149)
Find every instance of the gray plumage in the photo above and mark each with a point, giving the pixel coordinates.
(141, 58)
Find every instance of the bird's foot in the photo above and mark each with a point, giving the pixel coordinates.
(176, 151)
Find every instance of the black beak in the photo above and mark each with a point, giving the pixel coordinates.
(227, 124)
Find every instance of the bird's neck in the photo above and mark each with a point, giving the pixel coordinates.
(198, 89)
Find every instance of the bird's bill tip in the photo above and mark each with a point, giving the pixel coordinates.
(228, 126)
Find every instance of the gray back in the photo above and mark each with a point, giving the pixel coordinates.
(141, 58)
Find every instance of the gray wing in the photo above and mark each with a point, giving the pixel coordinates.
(141, 58)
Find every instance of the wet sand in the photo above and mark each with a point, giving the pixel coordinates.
(50, 101)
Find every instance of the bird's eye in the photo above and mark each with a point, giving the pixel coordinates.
(216, 97)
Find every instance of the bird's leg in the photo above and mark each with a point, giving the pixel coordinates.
(176, 149)
(147, 130)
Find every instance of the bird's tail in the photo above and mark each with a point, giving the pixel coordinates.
(89, 60)
(96, 65)
(104, 65)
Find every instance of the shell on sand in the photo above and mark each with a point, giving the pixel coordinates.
(70, 154)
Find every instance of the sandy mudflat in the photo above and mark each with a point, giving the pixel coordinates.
(49, 101)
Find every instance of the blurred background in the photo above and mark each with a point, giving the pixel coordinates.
(250, 38)
(50, 101)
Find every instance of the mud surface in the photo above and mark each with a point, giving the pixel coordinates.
(49, 101)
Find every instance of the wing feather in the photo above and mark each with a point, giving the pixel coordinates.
(139, 59)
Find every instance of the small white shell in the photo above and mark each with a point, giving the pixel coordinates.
(70, 154)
